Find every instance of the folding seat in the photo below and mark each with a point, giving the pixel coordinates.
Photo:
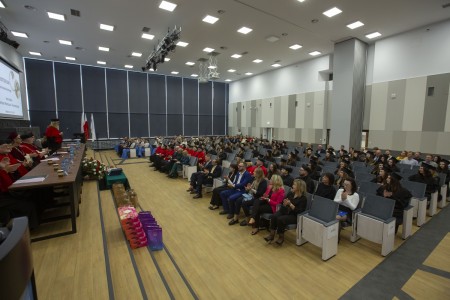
(375, 222)
(319, 226)
(418, 201)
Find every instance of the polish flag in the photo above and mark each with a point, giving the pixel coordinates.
(93, 135)
(85, 126)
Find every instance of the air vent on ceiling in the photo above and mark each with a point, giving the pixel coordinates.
(446, 5)
(145, 29)
(244, 53)
(272, 38)
(75, 13)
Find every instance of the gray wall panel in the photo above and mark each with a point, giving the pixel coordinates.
(291, 112)
(436, 105)
(309, 108)
(395, 105)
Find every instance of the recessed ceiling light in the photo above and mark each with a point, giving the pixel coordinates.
(182, 44)
(315, 53)
(190, 63)
(107, 27)
(355, 25)
(151, 70)
(276, 65)
(295, 47)
(257, 61)
(148, 36)
(301, 0)
(64, 42)
(212, 67)
(249, 73)
(2, 5)
(174, 72)
(70, 58)
(56, 16)
(129, 66)
(207, 49)
(106, 49)
(136, 54)
(227, 80)
(231, 70)
(167, 59)
(373, 35)
(35, 53)
(332, 12)
(19, 34)
(210, 19)
(245, 30)
(167, 5)
(272, 38)
(194, 75)
(236, 56)
(101, 62)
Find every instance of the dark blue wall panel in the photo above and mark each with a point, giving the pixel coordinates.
(40, 85)
(174, 95)
(157, 93)
(116, 81)
(94, 89)
(139, 125)
(68, 87)
(158, 125)
(138, 92)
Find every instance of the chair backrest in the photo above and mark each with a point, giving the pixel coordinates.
(361, 169)
(379, 207)
(231, 156)
(368, 187)
(358, 164)
(324, 209)
(287, 189)
(295, 171)
(213, 157)
(403, 166)
(417, 189)
(193, 161)
(364, 176)
(405, 173)
(333, 164)
(328, 169)
(442, 178)
(225, 171)
(248, 155)
(309, 199)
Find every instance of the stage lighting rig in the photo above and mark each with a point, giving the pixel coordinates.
(164, 47)
(4, 37)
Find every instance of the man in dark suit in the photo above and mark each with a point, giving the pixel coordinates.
(237, 188)
(207, 177)
(198, 177)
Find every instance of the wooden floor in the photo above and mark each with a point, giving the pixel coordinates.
(204, 257)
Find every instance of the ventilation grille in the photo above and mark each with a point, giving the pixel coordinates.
(75, 13)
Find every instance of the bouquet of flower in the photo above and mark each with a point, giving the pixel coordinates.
(93, 169)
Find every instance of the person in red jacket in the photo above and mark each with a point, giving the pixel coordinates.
(28, 147)
(53, 135)
(7, 158)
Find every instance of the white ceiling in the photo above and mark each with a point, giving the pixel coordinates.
(289, 20)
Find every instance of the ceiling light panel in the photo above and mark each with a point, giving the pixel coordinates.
(315, 53)
(257, 61)
(249, 73)
(129, 66)
(245, 30)
(276, 65)
(373, 35)
(64, 42)
(166, 5)
(332, 12)
(136, 54)
(19, 34)
(210, 19)
(107, 27)
(227, 80)
(295, 47)
(194, 75)
(2, 5)
(35, 53)
(148, 36)
(56, 16)
(106, 49)
(209, 50)
(167, 59)
(70, 58)
(231, 70)
(101, 62)
(174, 72)
(236, 56)
(190, 63)
(355, 25)
(182, 44)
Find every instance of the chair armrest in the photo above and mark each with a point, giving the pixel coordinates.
(409, 207)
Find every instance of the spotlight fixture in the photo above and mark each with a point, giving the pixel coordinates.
(164, 47)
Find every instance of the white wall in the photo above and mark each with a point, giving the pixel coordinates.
(295, 79)
(420, 52)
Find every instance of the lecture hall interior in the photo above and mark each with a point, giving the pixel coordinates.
(224, 98)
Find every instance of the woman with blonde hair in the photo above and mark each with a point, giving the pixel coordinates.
(253, 190)
(293, 204)
(268, 202)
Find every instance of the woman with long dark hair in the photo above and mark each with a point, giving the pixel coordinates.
(326, 188)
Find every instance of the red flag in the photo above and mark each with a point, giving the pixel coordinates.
(85, 127)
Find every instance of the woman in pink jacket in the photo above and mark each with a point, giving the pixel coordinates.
(268, 203)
